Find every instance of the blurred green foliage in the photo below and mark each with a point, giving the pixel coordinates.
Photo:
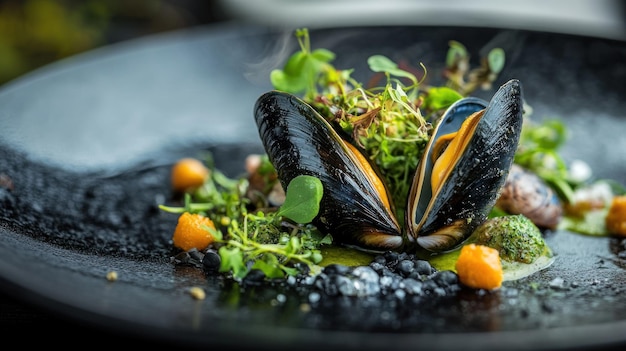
(36, 32)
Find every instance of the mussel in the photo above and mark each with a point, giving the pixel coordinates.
(471, 151)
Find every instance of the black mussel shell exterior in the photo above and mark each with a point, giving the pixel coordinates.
(442, 221)
(298, 141)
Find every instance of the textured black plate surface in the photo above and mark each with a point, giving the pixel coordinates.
(86, 144)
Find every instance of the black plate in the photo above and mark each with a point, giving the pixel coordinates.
(87, 143)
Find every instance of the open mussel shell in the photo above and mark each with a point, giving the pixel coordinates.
(354, 208)
(441, 219)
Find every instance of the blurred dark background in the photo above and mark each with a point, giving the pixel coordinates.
(36, 32)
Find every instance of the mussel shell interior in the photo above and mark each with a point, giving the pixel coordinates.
(443, 220)
(421, 190)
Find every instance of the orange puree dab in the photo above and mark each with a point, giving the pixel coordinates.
(191, 232)
(479, 267)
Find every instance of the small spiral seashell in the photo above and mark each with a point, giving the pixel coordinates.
(526, 193)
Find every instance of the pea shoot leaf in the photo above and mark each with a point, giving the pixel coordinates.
(232, 260)
(456, 53)
(295, 75)
(380, 63)
(301, 71)
(269, 266)
(496, 58)
(302, 199)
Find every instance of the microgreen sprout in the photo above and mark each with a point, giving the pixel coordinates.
(270, 241)
(386, 121)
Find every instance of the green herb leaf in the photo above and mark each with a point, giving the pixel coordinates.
(294, 245)
(323, 55)
(538, 152)
(440, 98)
(217, 234)
(456, 52)
(302, 199)
(380, 63)
(290, 270)
(304, 69)
(316, 256)
(232, 260)
(292, 78)
(271, 268)
(496, 60)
